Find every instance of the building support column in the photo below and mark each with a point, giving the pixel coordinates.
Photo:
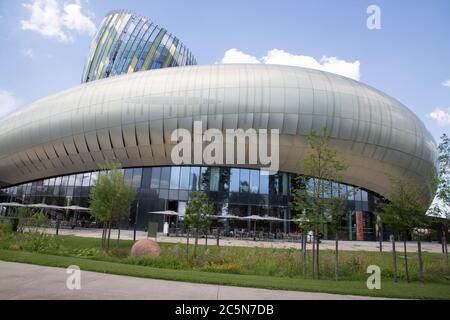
(359, 225)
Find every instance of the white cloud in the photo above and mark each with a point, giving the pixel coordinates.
(27, 53)
(8, 103)
(236, 56)
(47, 19)
(441, 115)
(276, 56)
(446, 83)
(74, 19)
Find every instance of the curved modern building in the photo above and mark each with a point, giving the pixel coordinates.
(130, 119)
(51, 149)
(127, 42)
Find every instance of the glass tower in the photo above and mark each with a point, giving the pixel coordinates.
(126, 43)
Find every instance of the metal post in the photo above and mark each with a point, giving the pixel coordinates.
(57, 223)
(218, 235)
(135, 220)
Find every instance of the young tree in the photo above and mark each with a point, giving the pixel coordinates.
(404, 211)
(301, 221)
(198, 215)
(337, 208)
(441, 207)
(110, 199)
(322, 163)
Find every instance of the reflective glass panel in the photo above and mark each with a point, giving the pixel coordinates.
(137, 177)
(214, 180)
(244, 182)
(156, 174)
(263, 183)
(254, 181)
(86, 179)
(165, 177)
(204, 178)
(174, 177)
(234, 180)
(146, 177)
(94, 177)
(184, 178)
(128, 176)
(194, 178)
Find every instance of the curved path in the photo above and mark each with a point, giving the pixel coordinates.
(25, 281)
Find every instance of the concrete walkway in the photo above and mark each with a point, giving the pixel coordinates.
(25, 281)
(324, 245)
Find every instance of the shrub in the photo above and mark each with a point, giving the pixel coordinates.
(30, 219)
(5, 228)
(39, 242)
(120, 252)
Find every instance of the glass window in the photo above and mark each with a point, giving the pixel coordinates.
(263, 182)
(165, 177)
(254, 181)
(128, 176)
(310, 185)
(184, 178)
(351, 193)
(342, 189)
(326, 189)
(214, 179)
(137, 177)
(358, 195)
(57, 181)
(224, 179)
(86, 179)
(335, 189)
(364, 195)
(64, 180)
(234, 180)
(204, 178)
(273, 184)
(146, 177)
(194, 178)
(156, 174)
(175, 178)
(284, 183)
(94, 177)
(78, 180)
(244, 182)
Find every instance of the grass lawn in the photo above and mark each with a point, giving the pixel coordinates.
(239, 266)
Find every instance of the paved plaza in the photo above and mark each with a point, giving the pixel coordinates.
(325, 244)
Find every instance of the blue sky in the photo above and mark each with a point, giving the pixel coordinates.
(408, 58)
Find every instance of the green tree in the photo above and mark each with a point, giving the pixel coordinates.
(403, 212)
(198, 215)
(441, 207)
(110, 199)
(322, 163)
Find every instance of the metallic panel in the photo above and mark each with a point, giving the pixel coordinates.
(135, 114)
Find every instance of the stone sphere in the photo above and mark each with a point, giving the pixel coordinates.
(145, 247)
